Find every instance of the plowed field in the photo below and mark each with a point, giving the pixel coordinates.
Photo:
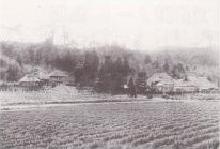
(178, 125)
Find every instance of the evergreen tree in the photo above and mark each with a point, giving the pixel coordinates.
(147, 59)
(156, 64)
(126, 67)
(166, 67)
(13, 73)
(90, 67)
(178, 70)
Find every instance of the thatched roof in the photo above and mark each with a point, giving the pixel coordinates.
(29, 78)
(161, 78)
(202, 82)
(58, 73)
(194, 81)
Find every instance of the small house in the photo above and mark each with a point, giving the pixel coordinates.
(29, 81)
(58, 77)
(193, 84)
(181, 85)
(164, 87)
(161, 82)
(204, 84)
(42, 76)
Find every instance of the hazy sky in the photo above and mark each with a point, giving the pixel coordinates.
(132, 23)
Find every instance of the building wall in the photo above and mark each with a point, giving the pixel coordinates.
(28, 83)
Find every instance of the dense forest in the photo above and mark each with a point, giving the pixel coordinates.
(108, 66)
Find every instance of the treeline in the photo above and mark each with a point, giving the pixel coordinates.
(106, 68)
(89, 66)
(23, 57)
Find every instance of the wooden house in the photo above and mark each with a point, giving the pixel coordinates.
(43, 76)
(58, 77)
(181, 85)
(29, 81)
(161, 82)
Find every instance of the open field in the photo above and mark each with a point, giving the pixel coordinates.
(59, 94)
(68, 94)
(157, 125)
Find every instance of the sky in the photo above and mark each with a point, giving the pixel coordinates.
(141, 24)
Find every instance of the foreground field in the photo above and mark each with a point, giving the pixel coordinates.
(177, 125)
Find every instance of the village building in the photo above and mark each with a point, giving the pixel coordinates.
(181, 85)
(43, 76)
(193, 83)
(29, 81)
(58, 77)
(161, 82)
(41, 79)
(164, 87)
(203, 83)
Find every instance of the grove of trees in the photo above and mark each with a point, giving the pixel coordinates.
(105, 68)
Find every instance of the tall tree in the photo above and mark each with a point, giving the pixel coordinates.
(147, 59)
(166, 66)
(90, 67)
(178, 70)
(13, 73)
(156, 64)
(126, 67)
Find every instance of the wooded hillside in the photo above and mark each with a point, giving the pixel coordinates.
(90, 64)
